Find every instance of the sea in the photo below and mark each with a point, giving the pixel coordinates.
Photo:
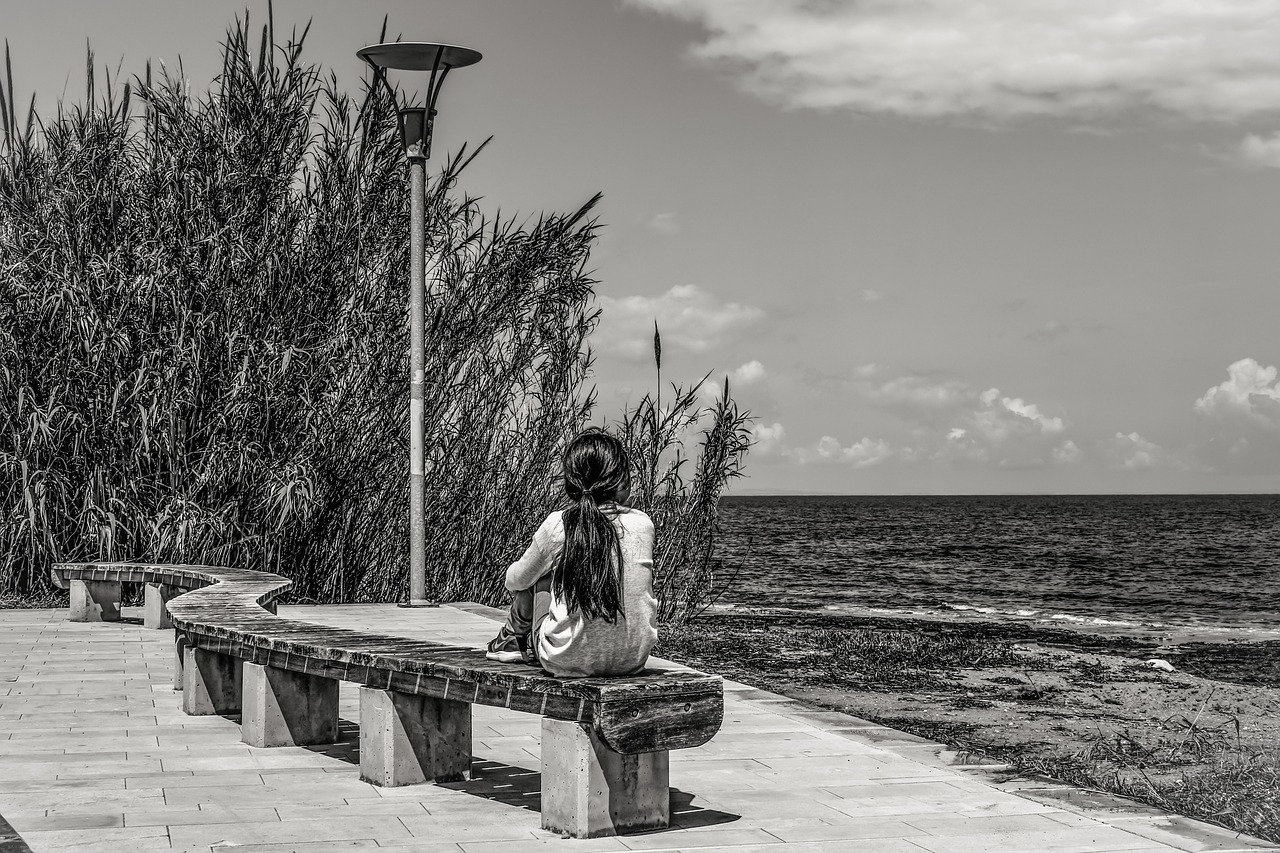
(1152, 562)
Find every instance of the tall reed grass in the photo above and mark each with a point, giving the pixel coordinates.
(682, 492)
(204, 346)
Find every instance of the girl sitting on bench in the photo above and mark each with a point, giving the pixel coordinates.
(584, 602)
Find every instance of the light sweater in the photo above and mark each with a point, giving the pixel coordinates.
(568, 644)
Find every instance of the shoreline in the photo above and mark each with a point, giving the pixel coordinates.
(1157, 634)
(1070, 702)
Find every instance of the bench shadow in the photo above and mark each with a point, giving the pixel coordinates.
(346, 747)
(520, 786)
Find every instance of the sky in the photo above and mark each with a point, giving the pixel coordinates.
(937, 246)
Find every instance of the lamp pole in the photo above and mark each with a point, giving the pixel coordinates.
(416, 124)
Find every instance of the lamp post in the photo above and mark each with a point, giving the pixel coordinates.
(415, 133)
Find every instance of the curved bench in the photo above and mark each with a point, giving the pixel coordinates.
(605, 741)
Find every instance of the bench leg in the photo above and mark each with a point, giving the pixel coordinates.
(287, 708)
(210, 683)
(589, 790)
(406, 739)
(95, 601)
(180, 650)
(155, 610)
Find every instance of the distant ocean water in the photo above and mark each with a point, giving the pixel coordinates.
(1197, 561)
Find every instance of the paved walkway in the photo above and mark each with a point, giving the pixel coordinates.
(96, 755)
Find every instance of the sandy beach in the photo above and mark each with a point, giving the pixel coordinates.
(1079, 703)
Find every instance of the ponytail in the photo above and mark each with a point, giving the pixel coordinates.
(588, 577)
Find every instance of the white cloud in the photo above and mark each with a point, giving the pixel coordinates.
(1241, 417)
(869, 295)
(751, 372)
(1261, 150)
(861, 454)
(1008, 432)
(916, 393)
(1250, 395)
(688, 317)
(1132, 451)
(1066, 453)
(768, 438)
(950, 419)
(1027, 411)
(1204, 59)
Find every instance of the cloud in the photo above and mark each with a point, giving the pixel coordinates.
(869, 296)
(744, 376)
(768, 438)
(951, 420)
(861, 454)
(1241, 419)
(749, 373)
(1258, 150)
(688, 317)
(915, 395)
(1249, 395)
(1066, 453)
(1049, 331)
(1132, 451)
(1009, 433)
(770, 441)
(947, 421)
(998, 59)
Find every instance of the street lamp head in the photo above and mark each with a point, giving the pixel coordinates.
(417, 55)
(437, 59)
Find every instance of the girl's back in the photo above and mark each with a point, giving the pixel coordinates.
(584, 602)
(572, 644)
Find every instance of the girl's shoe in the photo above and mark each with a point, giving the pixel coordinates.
(511, 648)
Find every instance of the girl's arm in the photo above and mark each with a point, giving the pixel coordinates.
(539, 558)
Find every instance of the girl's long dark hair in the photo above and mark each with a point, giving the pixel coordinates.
(589, 576)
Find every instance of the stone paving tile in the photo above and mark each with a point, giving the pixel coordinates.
(1178, 832)
(333, 792)
(180, 816)
(412, 844)
(546, 845)
(117, 840)
(847, 845)
(359, 806)
(81, 800)
(686, 840)
(27, 821)
(55, 769)
(463, 826)
(1100, 839)
(863, 829)
(286, 832)
(954, 825)
(10, 787)
(14, 750)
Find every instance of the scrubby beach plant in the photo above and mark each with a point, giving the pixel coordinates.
(684, 504)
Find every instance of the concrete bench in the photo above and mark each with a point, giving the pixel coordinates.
(605, 741)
